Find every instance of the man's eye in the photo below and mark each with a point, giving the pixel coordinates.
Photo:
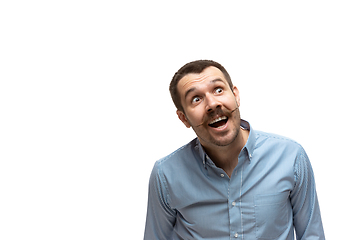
(195, 100)
(218, 90)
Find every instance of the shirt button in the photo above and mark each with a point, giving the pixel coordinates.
(236, 235)
(222, 175)
(233, 203)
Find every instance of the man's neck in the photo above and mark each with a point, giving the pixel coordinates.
(226, 157)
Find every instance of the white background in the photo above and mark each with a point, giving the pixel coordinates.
(85, 110)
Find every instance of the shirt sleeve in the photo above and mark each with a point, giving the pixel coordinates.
(160, 219)
(306, 211)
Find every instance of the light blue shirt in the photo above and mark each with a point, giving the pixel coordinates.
(271, 191)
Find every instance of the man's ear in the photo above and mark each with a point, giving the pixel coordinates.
(183, 118)
(237, 95)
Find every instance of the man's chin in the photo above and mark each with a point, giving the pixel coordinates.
(223, 141)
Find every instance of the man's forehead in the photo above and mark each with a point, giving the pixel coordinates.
(192, 79)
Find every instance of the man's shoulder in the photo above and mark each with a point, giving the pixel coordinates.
(178, 157)
(275, 139)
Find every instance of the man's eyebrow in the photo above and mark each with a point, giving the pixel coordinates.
(217, 80)
(194, 88)
(189, 91)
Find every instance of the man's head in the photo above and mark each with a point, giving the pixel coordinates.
(193, 67)
(207, 101)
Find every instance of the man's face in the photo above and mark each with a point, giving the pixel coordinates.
(210, 107)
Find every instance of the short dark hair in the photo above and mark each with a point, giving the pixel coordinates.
(193, 67)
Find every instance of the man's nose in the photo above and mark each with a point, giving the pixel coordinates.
(211, 103)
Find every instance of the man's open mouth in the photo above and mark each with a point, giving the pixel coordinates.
(218, 122)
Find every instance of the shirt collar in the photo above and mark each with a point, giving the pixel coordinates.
(249, 146)
(250, 143)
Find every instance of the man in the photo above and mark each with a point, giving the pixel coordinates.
(231, 182)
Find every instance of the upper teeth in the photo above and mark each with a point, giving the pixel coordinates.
(218, 119)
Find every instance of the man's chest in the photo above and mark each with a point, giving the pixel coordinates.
(255, 200)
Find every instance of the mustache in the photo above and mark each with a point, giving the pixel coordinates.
(219, 112)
